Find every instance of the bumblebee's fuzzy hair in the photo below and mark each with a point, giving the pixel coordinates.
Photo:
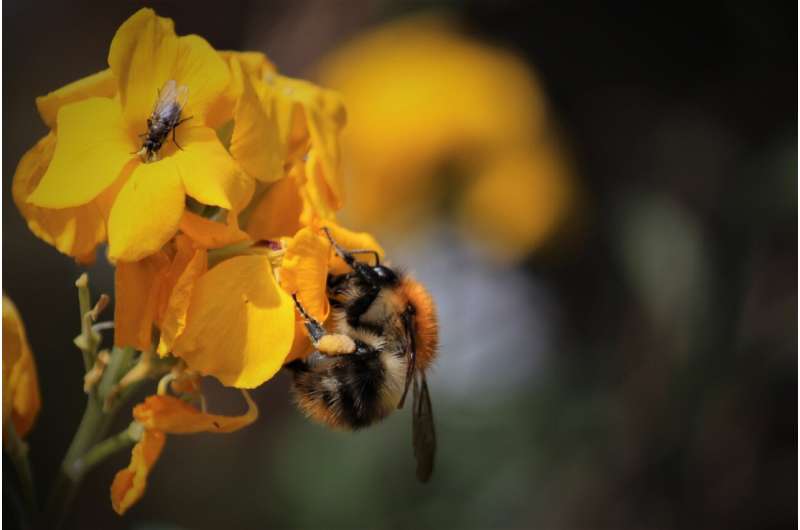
(351, 391)
(426, 323)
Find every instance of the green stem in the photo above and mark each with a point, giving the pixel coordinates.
(104, 449)
(17, 451)
(88, 446)
(118, 365)
(94, 425)
(85, 305)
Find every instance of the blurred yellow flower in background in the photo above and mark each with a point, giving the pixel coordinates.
(438, 120)
(21, 397)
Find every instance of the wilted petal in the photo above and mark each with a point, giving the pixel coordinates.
(146, 212)
(130, 483)
(174, 416)
(240, 324)
(102, 84)
(21, 398)
(92, 148)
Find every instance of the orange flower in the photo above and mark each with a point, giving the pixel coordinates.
(21, 398)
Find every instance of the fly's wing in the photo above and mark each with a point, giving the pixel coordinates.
(423, 433)
(171, 96)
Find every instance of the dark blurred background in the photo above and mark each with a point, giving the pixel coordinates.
(636, 370)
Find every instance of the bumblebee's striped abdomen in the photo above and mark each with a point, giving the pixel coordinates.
(344, 391)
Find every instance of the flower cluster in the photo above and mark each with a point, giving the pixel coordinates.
(211, 231)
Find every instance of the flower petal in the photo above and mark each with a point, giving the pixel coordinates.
(21, 398)
(92, 148)
(301, 347)
(136, 287)
(204, 72)
(208, 172)
(255, 144)
(325, 117)
(211, 234)
(129, 484)
(240, 324)
(277, 213)
(318, 201)
(188, 265)
(174, 416)
(102, 84)
(146, 212)
(74, 231)
(142, 56)
(304, 271)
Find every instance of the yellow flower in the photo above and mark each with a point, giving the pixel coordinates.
(161, 415)
(98, 140)
(21, 398)
(432, 115)
(239, 324)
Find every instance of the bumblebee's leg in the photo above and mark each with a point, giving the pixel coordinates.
(324, 342)
(365, 272)
(315, 329)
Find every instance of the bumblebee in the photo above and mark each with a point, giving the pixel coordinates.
(383, 337)
(166, 117)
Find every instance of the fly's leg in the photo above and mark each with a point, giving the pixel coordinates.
(173, 131)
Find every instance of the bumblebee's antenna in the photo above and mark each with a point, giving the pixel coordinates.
(347, 255)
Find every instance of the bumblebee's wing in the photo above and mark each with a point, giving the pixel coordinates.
(408, 324)
(423, 433)
(171, 93)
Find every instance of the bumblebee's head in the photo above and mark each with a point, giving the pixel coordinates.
(386, 276)
(426, 325)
